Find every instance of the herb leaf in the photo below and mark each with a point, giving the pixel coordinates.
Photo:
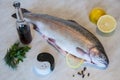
(15, 54)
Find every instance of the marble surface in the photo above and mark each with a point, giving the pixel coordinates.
(77, 10)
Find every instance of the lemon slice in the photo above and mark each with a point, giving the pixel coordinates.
(95, 14)
(73, 62)
(106, 24)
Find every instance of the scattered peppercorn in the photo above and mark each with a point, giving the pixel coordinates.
(79, 73)
(83, 76)
(84, 69)
(73, 75)
(88, 74)
(82, 72)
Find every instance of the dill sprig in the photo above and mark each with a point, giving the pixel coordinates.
(15, 54)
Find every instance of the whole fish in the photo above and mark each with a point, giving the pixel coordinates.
(67, 36)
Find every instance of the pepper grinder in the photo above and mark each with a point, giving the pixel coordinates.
(23, 28)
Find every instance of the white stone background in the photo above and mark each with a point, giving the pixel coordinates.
(77, 10)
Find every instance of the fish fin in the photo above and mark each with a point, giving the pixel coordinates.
(81, 51)
(14, 15)
(35, 27)
(77, 57)
(23, 11)
(72, 21)
(51, 40)
(81, 59)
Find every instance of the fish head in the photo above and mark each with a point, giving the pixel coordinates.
(99, 58)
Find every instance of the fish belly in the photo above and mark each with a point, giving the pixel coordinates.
(65, 38)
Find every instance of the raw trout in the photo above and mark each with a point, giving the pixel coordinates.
(67, 36)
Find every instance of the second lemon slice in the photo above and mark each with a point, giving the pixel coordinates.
(73, 62)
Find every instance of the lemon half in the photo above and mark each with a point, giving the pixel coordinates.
(73, 62)
(95, 14)
(106, 24)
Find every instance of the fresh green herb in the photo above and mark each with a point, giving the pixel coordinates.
(15, 54)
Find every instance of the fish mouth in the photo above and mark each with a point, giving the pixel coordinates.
(100, 64)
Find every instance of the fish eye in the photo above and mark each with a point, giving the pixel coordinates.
(102, 56)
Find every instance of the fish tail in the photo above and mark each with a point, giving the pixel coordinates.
(23, 11)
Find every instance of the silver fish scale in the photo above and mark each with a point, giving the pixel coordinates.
(74, 25)
(78, 28)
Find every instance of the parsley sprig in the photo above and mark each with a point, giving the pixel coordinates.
(15, 54)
